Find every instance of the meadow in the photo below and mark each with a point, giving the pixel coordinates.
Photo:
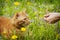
(36, 9)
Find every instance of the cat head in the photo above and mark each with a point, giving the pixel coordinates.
(20, 19)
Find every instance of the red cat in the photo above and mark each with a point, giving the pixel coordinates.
(13, 24)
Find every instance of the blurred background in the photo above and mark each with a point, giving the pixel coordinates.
(36, 9)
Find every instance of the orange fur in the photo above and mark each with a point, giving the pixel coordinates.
(15, 23)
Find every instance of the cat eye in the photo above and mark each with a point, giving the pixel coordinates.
(25, 18)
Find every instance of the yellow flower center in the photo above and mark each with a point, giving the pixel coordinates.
(14, 37)
(16, 3)
(23, 29)
(5, 31)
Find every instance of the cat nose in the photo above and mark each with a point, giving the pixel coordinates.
(25, 19)
(29, 21)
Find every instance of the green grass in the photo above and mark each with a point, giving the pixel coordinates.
(38, 28)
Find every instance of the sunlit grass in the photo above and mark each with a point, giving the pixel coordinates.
(38, 28)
